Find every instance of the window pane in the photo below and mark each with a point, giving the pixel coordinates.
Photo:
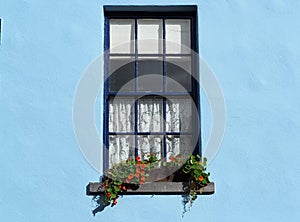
(121, 148)
(179, 145)
(150, 36)
(150, 144)
(122, 76)
(121, 114)
(150, 74)
(178, 115)
(150, 114)
(178, 71)
(178, 36)
(122, 35)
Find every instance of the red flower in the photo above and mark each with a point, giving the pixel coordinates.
(108, 195)
(138, 170)
(137, 175)
(130, 176)
(127, 180)
(172, 158)
(138, 158)
(124, 188)
(143, 178)
(115, 201)
(105, 185)
(201, 178)
(138, 163)
(141, 182)
(142, 172)
(143, 166)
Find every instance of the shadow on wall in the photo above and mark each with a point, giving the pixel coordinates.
(98, 199)
(100, 206)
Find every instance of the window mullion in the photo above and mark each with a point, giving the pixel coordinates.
(164, 89)
(164, 55)
(136, 87)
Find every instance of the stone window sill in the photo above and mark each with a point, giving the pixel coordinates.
(155, 188)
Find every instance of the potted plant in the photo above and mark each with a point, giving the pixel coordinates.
(132, 173)
(126, 175)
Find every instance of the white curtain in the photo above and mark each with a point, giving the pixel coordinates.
(178, 145)
(150, 119)
(120, 148)
(150, 114)
(121, 114)
(178, 115)
(150, 144)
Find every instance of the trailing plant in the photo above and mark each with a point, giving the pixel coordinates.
(126, 175)
(198, 178)
(196, 169)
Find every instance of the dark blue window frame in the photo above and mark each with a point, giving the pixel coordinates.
(153, 12)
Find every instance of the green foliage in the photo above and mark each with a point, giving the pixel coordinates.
(131, 173)
(198, 175)
(126, 175)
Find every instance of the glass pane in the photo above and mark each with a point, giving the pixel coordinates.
(122, 35)
(121, 114)
(178, 71)
(178, 35)
(150, 36)
(121, 148)
(122, 70)
(150, 144)
(150, 114)
(176, 145)
(179, 115)
(150, 74)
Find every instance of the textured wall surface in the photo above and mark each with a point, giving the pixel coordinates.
(253, 48)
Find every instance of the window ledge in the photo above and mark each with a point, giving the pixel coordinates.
(157, 188)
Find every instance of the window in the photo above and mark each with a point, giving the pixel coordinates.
(151, 96)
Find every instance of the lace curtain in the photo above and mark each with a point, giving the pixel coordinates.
(149, 119)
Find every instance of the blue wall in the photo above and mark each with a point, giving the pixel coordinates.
(253, 48)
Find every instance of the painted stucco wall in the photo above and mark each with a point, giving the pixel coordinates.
(253, 48)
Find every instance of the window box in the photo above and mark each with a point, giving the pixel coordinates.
(158, 178)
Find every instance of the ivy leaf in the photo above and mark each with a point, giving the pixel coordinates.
(117, 182)
(113, 195)
(204, 161)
